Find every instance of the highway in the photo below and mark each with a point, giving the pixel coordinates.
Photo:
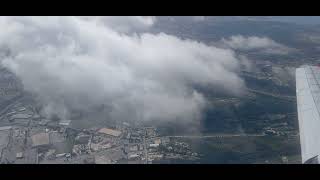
(288, 98)
(145, 148)
(216, 136)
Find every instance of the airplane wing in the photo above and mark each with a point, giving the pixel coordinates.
(308, 103)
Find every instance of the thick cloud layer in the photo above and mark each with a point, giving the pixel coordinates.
(76, 63)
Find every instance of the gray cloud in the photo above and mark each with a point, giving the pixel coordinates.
(74, 63)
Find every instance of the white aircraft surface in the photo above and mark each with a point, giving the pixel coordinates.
(308, 103)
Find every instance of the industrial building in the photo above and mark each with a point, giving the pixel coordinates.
(110, 132)
(40, 139)
(64, 122)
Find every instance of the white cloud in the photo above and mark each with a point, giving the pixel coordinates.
(124, 24)
(198, 18)
(74, 63)
(265, 44)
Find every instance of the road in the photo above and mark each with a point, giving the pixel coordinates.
(288, 98)
(217, 136)
(145, 148)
